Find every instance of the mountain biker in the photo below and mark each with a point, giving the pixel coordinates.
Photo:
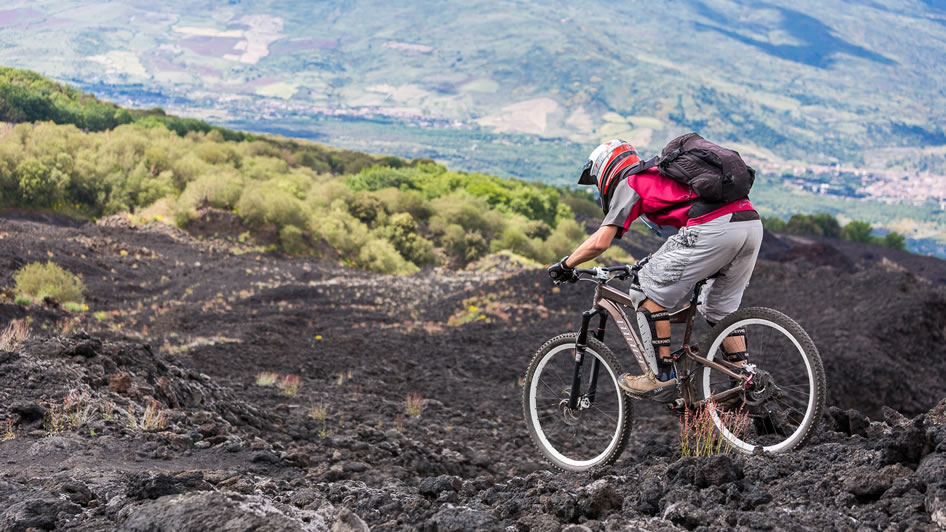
(721, 238)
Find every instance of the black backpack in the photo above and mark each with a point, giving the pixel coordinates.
(715, 174)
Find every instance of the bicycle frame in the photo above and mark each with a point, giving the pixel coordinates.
(610, 302)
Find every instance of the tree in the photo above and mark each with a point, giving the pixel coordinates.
(821, 224)
(829, 224)
(857, 231)
(773, 223)
(895, 240)
(803, 224)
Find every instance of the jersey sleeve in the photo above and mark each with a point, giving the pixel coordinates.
(625, 207)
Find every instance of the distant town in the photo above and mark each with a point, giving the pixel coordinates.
(890, 186)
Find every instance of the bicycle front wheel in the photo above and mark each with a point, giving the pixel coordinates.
(595, 432)
(780, 408)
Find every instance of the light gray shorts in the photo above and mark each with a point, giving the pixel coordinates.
(697, 252)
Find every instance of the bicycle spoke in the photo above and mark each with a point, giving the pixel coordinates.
(575, 436)
(610, 417)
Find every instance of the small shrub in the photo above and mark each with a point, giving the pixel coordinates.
(699, 435)
(895, 240)
(107, 410)
(153, 417)
(15, 334)
(858, 231)
(23, 300)
(290, 384)
(319, 412)
(101, 316)
(49, 280)
(380, 256)
(415, 404)
(74, 411)
(266, 379)
(75, 307)
(293, 241)
(8, 433)
(773, 223)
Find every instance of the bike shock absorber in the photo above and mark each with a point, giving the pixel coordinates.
(580, 346)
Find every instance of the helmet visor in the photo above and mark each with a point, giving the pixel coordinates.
(586, 178)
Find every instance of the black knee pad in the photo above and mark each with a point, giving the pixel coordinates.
(652, 318)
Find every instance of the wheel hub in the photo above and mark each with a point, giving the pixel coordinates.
(569, 416)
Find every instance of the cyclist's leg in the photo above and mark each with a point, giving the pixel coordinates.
(724, 295)
(686, 258)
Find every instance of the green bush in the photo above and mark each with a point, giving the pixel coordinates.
(402, 232)
(409, 201)
(38, 281)
(820, 224)
(378, 255)
(895, 240)
(367, 208)
(858, 231)
(266, 204)
(582, 205)
(469, 212)
(293, 241)
(516, 241)
(463, 246)
(566, 237)
(378, 177)
(773, 223)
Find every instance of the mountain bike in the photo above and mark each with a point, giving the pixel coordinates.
(580, 419)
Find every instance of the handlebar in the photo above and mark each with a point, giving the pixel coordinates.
(604, 273)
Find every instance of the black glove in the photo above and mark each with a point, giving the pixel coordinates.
(559, 273)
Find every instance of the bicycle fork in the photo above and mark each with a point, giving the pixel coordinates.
(581, 346)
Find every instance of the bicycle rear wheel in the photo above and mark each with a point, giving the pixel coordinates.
(595, 432)
(783, 403)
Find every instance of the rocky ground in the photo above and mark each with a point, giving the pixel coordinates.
(395, 402)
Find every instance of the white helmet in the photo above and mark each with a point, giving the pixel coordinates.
(603, 166)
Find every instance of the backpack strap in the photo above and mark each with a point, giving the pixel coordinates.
(640, 166)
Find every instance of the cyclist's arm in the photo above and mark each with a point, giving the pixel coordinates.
(595, 245)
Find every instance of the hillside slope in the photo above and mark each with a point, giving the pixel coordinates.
(191, 325)
(519, 89)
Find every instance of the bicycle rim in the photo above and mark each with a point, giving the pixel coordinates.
(778, 415)
(580, 439)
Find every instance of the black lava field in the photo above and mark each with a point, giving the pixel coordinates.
(214, 387)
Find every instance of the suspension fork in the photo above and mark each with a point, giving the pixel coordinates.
(581, 346)
(593, 385)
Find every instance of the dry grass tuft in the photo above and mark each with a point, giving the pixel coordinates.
(15, 334)
(290, 384)
(75, 410)
(8, 433)
(699, 435)
(319, 412)
(153, 418)
(415, 404)
(266, 378)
